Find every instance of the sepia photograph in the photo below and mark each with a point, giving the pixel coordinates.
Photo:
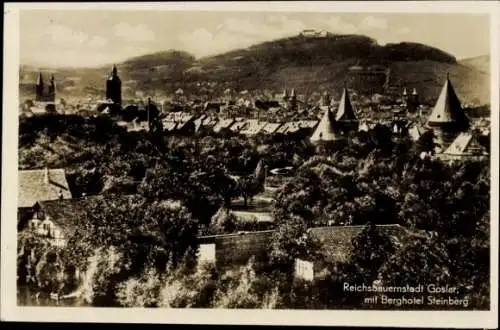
(267, 157)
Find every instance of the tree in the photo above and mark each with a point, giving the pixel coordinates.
(248, 187)
(146, 233)
(426, 142)
(291, 240)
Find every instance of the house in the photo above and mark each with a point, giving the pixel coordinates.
(270, 128)
(253, 127)
(180, 122)
(238, 126)
(58, 220)
(223, 124)
(40, 185)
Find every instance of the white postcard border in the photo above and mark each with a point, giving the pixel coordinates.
(9, 310)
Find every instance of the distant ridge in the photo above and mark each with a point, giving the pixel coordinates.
(308, 64)
(481, 63)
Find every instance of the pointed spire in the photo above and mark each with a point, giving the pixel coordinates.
(448, 109)
(405, 92)
(332, 101)
(285, 93)
(292, 94)
(39, 79)
(345, 111)
(325, 99)
(414, 91)
(114, 71)
(325, 129)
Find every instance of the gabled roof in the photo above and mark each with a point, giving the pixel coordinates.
(325, 130)
(271, 128)
(238, 126)
(448, 108)
(66, 214)
(198, 122)
(222, 124)
(34, 186)
(465, 145)
(345, 112)
(39, 79)
(253, 127)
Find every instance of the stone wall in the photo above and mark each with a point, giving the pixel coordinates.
(237, 249)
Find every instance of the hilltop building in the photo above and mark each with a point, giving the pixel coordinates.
(447, 119)
(314, 33)
(114, 87)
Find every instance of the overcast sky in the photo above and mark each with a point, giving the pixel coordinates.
(93, 38)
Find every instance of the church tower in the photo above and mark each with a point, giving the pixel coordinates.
(114, 87)
(39, 88)
(293, 100)
(52, 89)
(325, 99)
(448, 119)
(345, 117)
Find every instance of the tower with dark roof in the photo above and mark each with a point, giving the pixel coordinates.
(114, 87)
(284, 96)
(326, 129)
(39, 88)
(325, 99)
(293, 100)
(52, 89)
(345, 117)
(448, 118)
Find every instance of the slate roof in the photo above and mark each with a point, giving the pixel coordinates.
(225, 123)
(238, 126)
(294, 126)
(448, 108)
(34, 187)
(416, 132)
(465, 145)
(253, 127)
(270, 128)
(345, 112)
(325, 130)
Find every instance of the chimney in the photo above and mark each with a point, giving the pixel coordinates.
(46, 175)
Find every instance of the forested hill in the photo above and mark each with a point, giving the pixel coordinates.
(304, 63)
